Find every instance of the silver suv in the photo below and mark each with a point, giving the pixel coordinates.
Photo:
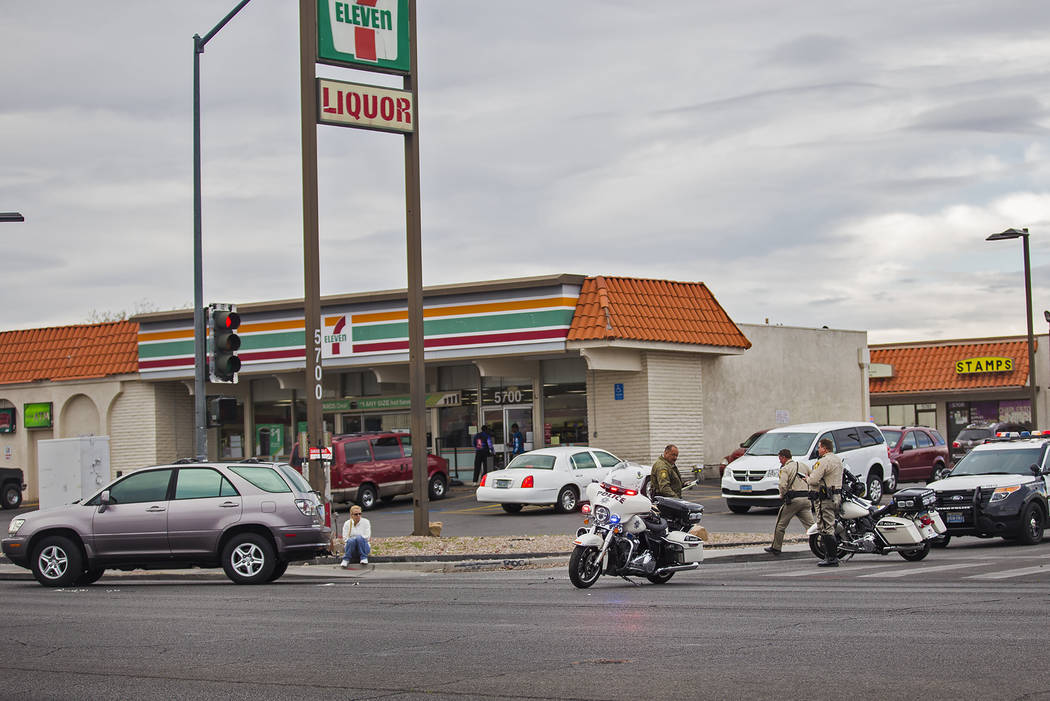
(251, 519)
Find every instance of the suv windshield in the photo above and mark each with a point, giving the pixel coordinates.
(772, 443)
(891, 436)
(1015, 461)
(974, 434)
(533, 462)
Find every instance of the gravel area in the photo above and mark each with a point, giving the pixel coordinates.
(475, 545)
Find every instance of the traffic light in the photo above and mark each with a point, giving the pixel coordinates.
(224, 343)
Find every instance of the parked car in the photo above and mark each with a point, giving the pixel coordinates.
(977, 433)
(251, 519)
(917, 453)
(998, 489)
(371, 466)
(12, 484)
(753, 479)
(556, 476)
(739, 451)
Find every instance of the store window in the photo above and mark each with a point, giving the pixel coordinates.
(564, 401)
(454, 422)
(905, 415)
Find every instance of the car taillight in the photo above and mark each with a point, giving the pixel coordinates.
(482, 482)
(306, 507)
(527, 482)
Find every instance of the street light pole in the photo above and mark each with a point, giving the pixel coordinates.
(199, 417)
(1032, 385)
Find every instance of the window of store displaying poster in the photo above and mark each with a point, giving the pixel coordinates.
(7, 420)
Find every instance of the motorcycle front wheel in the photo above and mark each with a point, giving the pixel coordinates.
(660, 578)
(584, 566)
(816, 546)
(916, 555)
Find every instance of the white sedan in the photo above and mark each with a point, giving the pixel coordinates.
(556, 476)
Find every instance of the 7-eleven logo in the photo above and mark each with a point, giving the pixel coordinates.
(365, 28)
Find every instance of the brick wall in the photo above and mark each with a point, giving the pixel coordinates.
(133, 428)
(621, 427)
(676, 412)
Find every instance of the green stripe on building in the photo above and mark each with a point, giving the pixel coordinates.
(165, 349)
(467, 325)
(258, 341)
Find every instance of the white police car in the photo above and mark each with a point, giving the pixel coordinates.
(999, 489)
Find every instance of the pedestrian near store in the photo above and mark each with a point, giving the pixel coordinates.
(517, 440)
(357, 532)
(664, 478)
(794, 492)
(482, 452)
(826, 480)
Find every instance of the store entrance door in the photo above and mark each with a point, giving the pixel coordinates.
(499, 419)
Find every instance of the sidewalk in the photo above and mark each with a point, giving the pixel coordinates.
(328, 567)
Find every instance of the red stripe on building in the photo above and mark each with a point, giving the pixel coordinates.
(474, 340)
(273, 355)
(165, 363)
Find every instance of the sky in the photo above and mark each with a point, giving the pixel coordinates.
(819, 163)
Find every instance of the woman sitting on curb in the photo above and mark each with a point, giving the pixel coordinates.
(357, 531)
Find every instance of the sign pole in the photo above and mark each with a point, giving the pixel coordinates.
(416, 366)
(311, 248)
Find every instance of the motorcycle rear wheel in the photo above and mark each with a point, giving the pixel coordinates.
(584, 566)
(660, 578)
(916, 555)
(816, 546)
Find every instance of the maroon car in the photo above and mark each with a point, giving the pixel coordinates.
(370, 466)
(739, 451)
(917, 453)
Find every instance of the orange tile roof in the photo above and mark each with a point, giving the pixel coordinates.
(624, 308)
(69, 352)
(928, 368)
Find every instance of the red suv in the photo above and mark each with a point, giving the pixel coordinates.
(917, 453)
(738, 451)
(370, 466)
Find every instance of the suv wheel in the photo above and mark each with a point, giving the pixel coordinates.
(366, 497)
(1032, 524)
(12, 496)
(248, 558)
(57, 562)
(438, 486)
(891, 484)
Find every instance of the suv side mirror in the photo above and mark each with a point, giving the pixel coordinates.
(103, 500)
(1037, 471)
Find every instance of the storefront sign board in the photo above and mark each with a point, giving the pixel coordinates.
(971, 366)
(364, 106)
(436, 399)
(7, 420)
(37, 415)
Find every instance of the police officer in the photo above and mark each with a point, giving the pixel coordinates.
(794, 491)
(664, 478)
(826, 480)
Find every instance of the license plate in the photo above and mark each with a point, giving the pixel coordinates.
(955, 518)
(504, 484)
(745, 488)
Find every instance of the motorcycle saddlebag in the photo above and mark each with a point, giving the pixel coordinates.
(686, 548)
(914, 499)
(679, 509)
(899, 531)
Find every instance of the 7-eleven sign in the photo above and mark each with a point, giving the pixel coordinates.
(364, 34)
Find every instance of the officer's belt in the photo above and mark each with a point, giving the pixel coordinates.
(795, 494)
(816, 494)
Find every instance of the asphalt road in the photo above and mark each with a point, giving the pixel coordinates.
(968, 622)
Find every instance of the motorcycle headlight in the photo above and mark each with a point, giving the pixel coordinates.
(1003, 492)
(15, 524)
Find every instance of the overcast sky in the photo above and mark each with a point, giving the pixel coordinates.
(818, 163)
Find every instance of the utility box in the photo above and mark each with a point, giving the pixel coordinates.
(71, 468)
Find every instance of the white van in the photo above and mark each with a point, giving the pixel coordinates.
(751, 479)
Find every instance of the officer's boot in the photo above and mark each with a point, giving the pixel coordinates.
(831, 552)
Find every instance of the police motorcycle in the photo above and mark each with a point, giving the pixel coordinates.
(627, 534)
(907, 525)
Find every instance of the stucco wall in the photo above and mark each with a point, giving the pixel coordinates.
(811, 374)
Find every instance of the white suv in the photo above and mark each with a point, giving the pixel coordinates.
(751, 479)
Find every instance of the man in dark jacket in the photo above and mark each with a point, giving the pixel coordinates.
(664, 478)
(482, 451)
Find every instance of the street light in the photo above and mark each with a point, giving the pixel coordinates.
(1023, 235)
(200, 418)
(11, 216)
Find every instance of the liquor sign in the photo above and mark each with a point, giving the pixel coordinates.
(364, 106)
(975, 365)
(364, 34)
(37, 415)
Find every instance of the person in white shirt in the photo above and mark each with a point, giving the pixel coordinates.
(357, 532)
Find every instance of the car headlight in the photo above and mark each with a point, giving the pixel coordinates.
(1003, 492)
(15, 524)
(772, 472)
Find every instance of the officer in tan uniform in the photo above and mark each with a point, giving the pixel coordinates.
(826, 480)
(794, 491)
(664, 477)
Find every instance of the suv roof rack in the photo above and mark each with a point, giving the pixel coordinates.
(187, 461)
